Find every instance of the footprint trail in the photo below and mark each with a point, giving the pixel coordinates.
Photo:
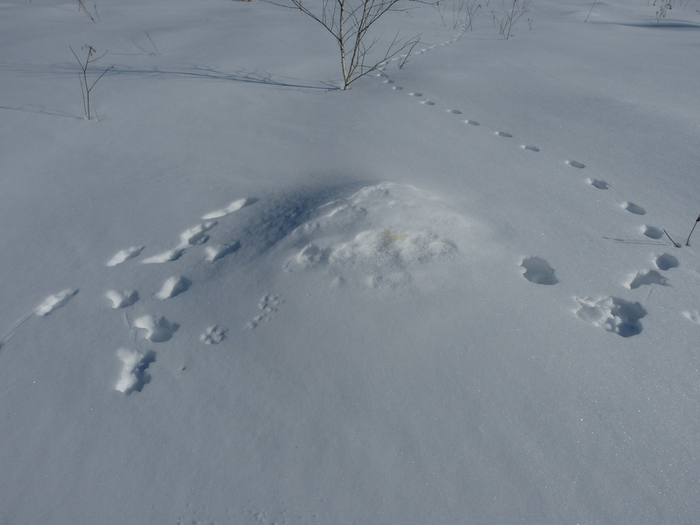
(234, 206)
(125, 255)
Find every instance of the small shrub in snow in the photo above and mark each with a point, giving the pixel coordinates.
(349, 22)
(505, 21)
(662, 7)
(86, 88)
(466, 9)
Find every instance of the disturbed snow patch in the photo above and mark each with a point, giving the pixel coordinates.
(158, 329)
(133, 375)
(122, 299)
(612, 314)
(380, 235)
(54, 302)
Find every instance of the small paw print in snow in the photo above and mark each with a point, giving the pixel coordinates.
(268, 304)
(652, 232)
(633, 208)
(213, 335)
(597, 183)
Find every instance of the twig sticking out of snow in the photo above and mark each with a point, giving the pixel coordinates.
(687, 243)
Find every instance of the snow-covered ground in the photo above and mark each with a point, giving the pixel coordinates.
(242, 295)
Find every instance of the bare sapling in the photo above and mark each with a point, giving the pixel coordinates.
(85, 87)
(404, 57)
(471, 9)
(349, 22)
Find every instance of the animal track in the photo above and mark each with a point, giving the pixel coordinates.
(428, 102)
(415, 94)
(471, 122)
(612, 314)
(133, 375)
(219, 251)
(454, 111)
(170, 255)
(213, 335)
(576, 164)
(196, 235)
(600, 184)
(633, 208)
(125, 255)
(666, 262)
(652, 232)
(190, 237)
(649, 277)
(504, 134)
(530, 148)
(54, 302)
(268, 304)
(122, 299)
(693, 315)
(173, 286)
(158, 329)
(397, 88)
(538, 271)
(234, 206)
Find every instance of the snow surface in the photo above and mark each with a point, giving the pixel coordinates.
(443, 296)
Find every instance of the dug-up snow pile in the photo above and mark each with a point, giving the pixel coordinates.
(382, 235)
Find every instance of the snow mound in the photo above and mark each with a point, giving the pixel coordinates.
(380, 235)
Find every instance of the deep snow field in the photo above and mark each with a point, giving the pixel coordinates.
(244, 296)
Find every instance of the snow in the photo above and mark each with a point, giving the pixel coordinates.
(447, 295)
